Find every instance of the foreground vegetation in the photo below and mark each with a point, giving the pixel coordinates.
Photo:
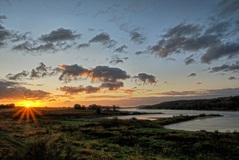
(223, 103)
(73, 134)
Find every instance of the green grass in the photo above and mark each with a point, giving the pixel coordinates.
(67, 137)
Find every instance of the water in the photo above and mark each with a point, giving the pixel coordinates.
(229, 122)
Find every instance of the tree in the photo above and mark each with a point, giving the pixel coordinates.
(77, 106)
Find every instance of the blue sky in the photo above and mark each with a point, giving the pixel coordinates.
(127, 53)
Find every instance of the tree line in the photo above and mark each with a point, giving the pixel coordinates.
(12, 105)
(97, 108)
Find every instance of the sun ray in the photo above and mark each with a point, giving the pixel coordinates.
(28, 113)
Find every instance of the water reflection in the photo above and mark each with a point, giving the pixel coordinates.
(229, 122)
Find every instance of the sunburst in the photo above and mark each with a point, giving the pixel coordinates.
(28, 113)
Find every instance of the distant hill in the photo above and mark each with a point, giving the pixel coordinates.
(223, 103)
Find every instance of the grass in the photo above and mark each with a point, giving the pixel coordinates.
(66, 136)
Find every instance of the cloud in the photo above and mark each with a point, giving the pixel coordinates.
(189, 60)
(17, 76)
(137, 37)
(175, 39)
(218, 28)
(191, 37)
(83, 45)
(72, 72)
(183, 37)
(30, 47)
(121, 49)
(146, 78)
(232, 78)
(215, 52)
(227, 7)
(192, 75)
(181, 93)
(39, 72)
(60, 39)
(226, 68)
(75, 90)
(60, 34)
(112, 85)
(4, 33)
(109, 9)
(104, 39)
(115, 59)
(13, 90)
(16, 36)
(204, 93)
(108, 74)
(2, 17)
(140, 52)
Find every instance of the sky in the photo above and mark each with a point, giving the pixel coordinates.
(117, 52)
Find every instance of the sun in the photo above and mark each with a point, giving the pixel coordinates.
(27, 105)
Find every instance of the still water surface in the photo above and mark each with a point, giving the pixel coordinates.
(229, 122)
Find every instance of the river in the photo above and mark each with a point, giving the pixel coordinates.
(229, 122)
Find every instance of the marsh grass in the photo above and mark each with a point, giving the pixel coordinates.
(67, 137)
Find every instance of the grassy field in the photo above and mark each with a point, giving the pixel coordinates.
(63, 133)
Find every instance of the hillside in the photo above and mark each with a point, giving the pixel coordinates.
(223, 103)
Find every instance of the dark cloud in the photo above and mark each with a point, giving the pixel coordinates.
(39, 72)
(215, 52)
(2, 17)
(17, 76)
(227, 7)
(60, 39)
(175, 39)
(4, 34)
(232, 78)
(146, 78)
(189, 60)
(79, 89)
(16, 37)
(183, 30)
(83, 45)
(108, 74)
(115, 59)
(218, 28)
(72, 72)
(226, 68)
(30, 47)
(112, 85)
(13, 90)
(121, 49)
(183, 37)
(60, 34)
(140, 52)
(137, 37)
(192, 75)
(103, 38)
